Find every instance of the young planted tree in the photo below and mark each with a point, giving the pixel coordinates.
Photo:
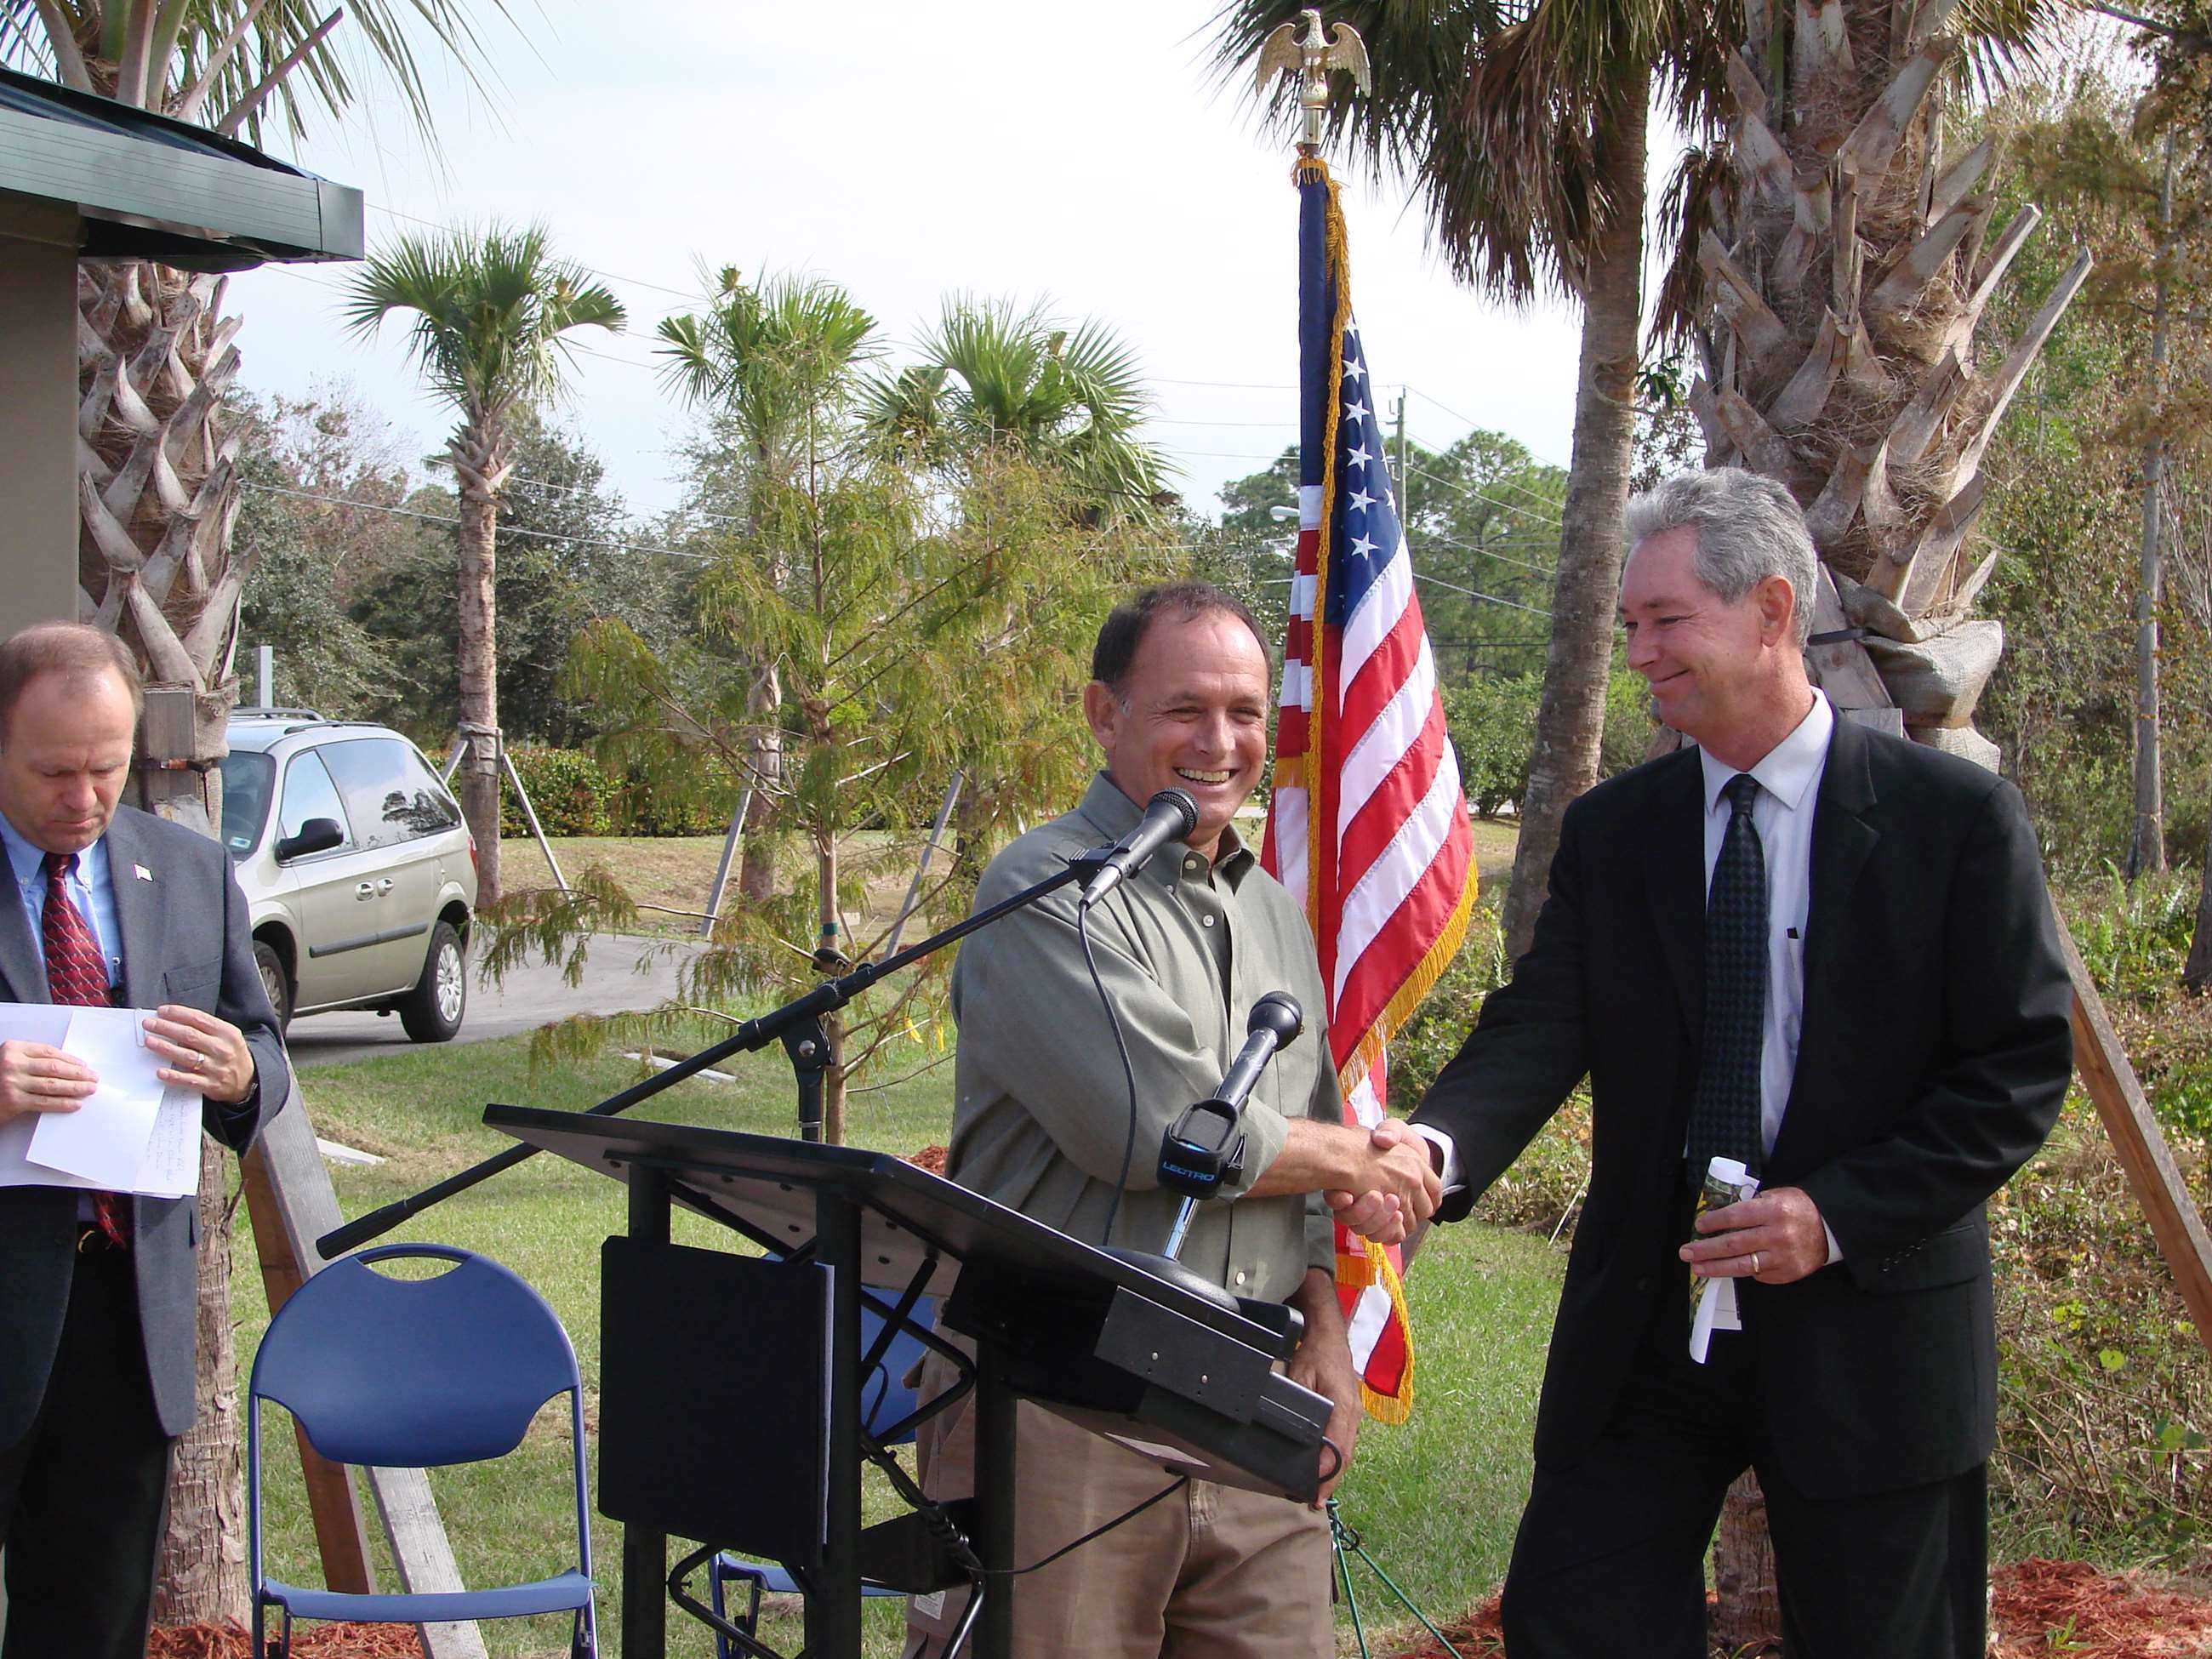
(775, 365)
(492, 314)
(917, 632)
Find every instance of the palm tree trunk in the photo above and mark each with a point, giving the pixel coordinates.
(157, 496)
(199, 1574)
(1747, 1611)
(1586, 591)
(2146, 843)
(478, 668)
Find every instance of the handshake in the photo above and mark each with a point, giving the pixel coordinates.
(1393, 1188)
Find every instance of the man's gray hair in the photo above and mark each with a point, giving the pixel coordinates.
(1748, 528)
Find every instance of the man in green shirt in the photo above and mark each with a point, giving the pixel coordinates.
(1042, 1123)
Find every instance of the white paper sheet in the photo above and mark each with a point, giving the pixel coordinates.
(1715, 1312)
(133, 1134)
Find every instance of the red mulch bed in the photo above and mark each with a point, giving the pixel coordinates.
(2041, 1606)
(931, 1158)
(2096, 1614)
(309, 1641)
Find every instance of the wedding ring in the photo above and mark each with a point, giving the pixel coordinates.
(1754, 1264)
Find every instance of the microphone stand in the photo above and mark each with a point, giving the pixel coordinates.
(796, 1025)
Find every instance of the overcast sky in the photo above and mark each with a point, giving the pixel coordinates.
(1000, 146)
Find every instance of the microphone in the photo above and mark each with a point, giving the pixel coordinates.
(1168, 816)
(1197, 1156)
(1274, 1023)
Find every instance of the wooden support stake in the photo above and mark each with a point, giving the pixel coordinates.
(340, 1533)
(304, 1209)
(2105, 1072)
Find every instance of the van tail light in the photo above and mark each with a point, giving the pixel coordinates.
(475, 869)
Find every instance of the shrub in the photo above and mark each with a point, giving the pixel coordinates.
(571, 794)
(2105, 1390)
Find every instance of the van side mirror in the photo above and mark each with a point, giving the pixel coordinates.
(316, 835)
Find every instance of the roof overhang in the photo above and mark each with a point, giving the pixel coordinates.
(147, 187)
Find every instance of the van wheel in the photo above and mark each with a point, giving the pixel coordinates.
(432, 1010)
(274, 981)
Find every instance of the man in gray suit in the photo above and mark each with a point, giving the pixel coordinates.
(97, 1297)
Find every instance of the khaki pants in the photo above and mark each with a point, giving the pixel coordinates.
(1212, 1570)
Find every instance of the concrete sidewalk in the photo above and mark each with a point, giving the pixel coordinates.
(527, 998)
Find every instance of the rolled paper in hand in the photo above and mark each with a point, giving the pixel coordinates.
(1713, 1300)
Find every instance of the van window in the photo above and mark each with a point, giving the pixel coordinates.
(246, 778)
(391, 795)
(309, 794)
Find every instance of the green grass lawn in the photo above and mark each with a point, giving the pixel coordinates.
(1435, 1500)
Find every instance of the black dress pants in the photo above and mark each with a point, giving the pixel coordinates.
(1610, 1556)
(81, 1494)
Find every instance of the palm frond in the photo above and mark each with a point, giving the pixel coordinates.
(492, 309)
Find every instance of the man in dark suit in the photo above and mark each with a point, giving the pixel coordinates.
(97, 1299)
(1869, 1008)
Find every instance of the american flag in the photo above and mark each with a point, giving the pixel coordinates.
(1368, 821)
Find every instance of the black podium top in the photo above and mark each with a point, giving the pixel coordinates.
(908, 1214)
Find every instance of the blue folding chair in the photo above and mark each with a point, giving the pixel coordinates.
(886, 1401)
(416, 1373)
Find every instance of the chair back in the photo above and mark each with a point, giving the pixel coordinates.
(414, 1373)
(885, 1397)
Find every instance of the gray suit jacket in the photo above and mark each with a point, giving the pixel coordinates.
(186, 940)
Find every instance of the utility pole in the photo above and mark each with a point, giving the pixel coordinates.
(1405, 473)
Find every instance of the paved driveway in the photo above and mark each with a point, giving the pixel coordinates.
(527, 998)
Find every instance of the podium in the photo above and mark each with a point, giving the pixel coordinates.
(1178, 1378)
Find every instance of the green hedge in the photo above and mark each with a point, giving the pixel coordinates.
(574, 796)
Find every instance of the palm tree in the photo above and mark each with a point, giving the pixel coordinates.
(492, 310)
(777, 365)
(993, 373)
(1522, 128)
(1837, 258)
(158, 494)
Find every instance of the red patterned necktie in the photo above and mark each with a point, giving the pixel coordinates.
(77, 977)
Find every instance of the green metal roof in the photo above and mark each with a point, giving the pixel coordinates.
(149, 187)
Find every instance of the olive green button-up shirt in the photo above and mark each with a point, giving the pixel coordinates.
(1184, 949)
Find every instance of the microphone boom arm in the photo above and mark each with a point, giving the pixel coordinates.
(795, 1024)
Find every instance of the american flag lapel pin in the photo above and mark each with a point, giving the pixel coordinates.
(141, 873)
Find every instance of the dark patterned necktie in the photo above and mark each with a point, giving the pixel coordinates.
(1724, 1117)
(77, 977)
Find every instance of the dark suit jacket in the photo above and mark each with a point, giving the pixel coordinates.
(1933, 1054)
(187, 940)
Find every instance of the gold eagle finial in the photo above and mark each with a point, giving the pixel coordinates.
(1312, 60)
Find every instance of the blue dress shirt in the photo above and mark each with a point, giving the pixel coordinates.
(91, 888)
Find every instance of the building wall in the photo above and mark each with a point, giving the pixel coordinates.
(37, 412)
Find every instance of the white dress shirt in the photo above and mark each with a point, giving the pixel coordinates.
(1789, 785)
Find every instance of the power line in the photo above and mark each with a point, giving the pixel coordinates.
(1487, 553)
(1163, 420)
(1224, 385)
(504, 530)
(1473, 593)
(612, 276)
(1470, 489)
(545, 488)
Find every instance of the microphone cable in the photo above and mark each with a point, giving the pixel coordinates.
(1128, 1073)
